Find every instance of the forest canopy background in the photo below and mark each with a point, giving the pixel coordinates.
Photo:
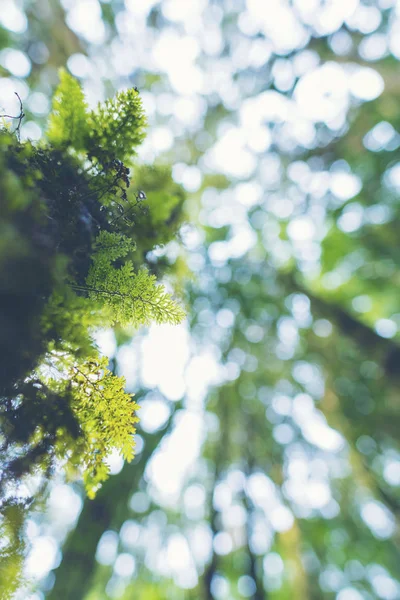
(269, 461)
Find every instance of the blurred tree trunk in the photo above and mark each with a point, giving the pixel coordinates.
(108, 510)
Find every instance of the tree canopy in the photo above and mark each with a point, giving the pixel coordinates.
(268, 460)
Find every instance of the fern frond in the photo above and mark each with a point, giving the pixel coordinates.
(68, 121)
(117, 127)
(107, 416)
(130, 298)
(112, 246)
(105, 412)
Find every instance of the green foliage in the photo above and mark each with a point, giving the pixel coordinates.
(356, 395)
(11, 551)
(66, 269)
(68, 123)
(129, 297)
(27, 267)
(294, 321)
(68, 234)
(67, 318)
(4, 37)
(105, 413)
(117, 127)
(111, 246)
(113, 131)
(162, 223)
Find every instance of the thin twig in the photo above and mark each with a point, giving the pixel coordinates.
(19, 117)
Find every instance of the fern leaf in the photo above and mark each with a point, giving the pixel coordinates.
(117, 127)
(107, 416)
(130, 298)
(68, 120)
(105, 412)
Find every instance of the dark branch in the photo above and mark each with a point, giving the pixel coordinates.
(386, 351)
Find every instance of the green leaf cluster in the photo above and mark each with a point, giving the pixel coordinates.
(105, 412)
(70, 226)
(68, 121)
(117, 126)
(112, 131)
(131, 298)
